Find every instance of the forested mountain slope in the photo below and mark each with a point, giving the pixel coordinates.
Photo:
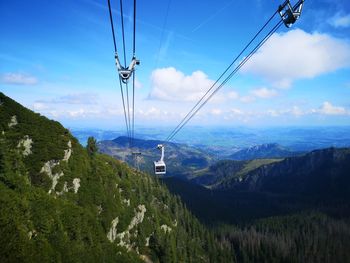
(61, 202)
(323, 172)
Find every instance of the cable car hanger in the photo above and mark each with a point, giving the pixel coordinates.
(290, 14)
(125, 72)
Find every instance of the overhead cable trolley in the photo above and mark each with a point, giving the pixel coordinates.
(290, 14)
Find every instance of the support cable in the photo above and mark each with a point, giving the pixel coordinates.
(287, 20)
(115, 51)
(133, 79)
(241, 64)
(234, 61)
(126, 84)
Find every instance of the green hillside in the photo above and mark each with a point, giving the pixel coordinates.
(60, 202)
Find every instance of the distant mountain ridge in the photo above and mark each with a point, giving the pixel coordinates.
(263, 151)
(320, 172)
(181, 159)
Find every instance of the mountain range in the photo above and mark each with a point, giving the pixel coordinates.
(263, 151)
(60, 201)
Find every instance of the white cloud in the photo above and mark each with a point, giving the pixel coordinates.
(18, 79)
(39, 106)
(247, 99)
(172, 85)
(216, 112)
(236, 111)
(328, 109)
(325, 109)
(340, 20)
(296, 54)
(77, 98)
(264, 93)
(232, 95)
(138, 84)
(296, 111)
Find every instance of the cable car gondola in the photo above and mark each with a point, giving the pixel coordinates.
(159, 166)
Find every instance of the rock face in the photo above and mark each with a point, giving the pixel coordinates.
(165, 228)
(124, 237)
(76, 184)
(26, 143)
(47, 168)
(112, 234)
(68, 152)
(13, 121)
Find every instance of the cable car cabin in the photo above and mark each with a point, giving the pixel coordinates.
(159, 166)
(290, 14)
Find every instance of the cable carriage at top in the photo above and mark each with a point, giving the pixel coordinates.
(290, 14)
(125, 72)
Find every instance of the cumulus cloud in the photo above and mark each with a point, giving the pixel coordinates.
(39, 106)
(340, 20)
(173, 85)
(325, 109)
(264, 93)
(297, 54)
(328, 109)
(18, 79)
(216, 112)
(138, 84)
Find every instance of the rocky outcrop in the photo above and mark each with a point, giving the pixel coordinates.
(47, 168)
(112, 234)
(68, 152)
(13, 121)
(165, 228)
(76, 184)
(26, 143)
(124, 237)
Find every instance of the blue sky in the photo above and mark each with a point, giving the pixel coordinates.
(56, 58)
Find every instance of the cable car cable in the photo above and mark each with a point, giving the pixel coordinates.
(111, 19)
(134, 36)
(234, 61)
(133, 78)
(126, 84)
(228, 78)
(120, 83)
(297, 7)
